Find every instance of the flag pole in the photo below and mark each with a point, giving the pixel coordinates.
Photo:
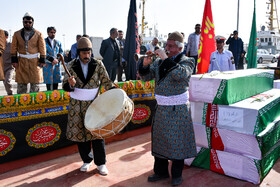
(84, 16)
(237, 27)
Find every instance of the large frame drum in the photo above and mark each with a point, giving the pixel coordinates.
(109, 113)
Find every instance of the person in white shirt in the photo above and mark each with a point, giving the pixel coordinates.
(193, 43)
(222, 59)
(154, 45)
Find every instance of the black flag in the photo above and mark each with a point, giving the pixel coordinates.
(131, 42)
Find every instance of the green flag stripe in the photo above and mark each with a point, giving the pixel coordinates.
(234, 90)
(252, 48)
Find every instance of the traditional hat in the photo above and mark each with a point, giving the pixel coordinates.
(219, 39)
(28, 15)
(176, 36)
(84, 43)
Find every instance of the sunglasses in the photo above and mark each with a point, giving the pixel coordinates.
(25, 22)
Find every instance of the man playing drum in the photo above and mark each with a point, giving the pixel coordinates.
(87, 75)
(172, 130)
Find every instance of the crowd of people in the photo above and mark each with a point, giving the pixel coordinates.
(34, 60)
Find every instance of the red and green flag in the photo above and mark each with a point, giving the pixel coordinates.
(207, 43)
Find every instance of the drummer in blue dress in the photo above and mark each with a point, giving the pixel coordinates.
(222, 59)
(172, 130)
(87, 75)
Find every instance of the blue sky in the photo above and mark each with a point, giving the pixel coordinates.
(102, 15)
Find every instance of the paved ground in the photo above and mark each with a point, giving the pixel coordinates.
(129, 162)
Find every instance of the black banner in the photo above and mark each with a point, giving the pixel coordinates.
(35, 136)
(131, 41)
(35, 123)
(144, 111)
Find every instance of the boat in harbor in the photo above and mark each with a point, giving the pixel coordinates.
(269, 40)
(152, 30)
(269, 36)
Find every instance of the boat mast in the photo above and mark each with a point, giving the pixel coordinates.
(143, 18)
(272, 16)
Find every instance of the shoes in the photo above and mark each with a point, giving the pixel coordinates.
(177, 181)
(103, 169)
(155, 177)
(85, 167)
(90, 155)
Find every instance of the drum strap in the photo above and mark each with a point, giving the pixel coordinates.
(84, 94)
(173, 99)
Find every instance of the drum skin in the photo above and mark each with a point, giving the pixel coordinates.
(109, 113)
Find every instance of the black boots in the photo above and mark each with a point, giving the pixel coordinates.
(155, 177)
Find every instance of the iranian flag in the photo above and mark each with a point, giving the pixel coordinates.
(207, 43)
(252, 48)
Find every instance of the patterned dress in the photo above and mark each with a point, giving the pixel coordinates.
(97, 75)
(172, 130)
(52, 74)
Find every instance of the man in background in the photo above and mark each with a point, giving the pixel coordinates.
(185, 44)
(52, 70)
(222, 59)
(2, 49)
(28, 55)
(236, 47)
(143, 48)
(8, 67)
(110, 52)
(122, 65)
(74, 48)
(193, 43)
(153, 45)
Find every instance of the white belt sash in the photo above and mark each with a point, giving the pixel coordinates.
(180, 99)
(84, 94)
(29, 56)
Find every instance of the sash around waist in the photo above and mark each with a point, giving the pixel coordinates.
(84, 94)
(29, 56)
(180, 99)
